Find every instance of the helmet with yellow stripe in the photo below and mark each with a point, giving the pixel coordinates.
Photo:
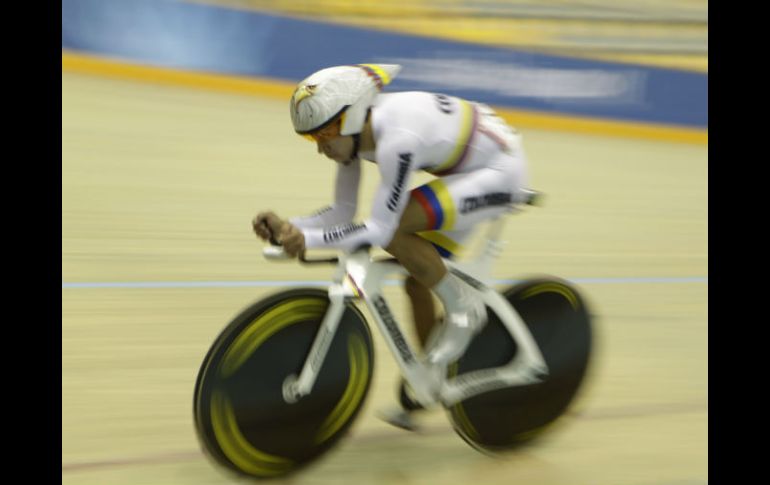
(341, 92)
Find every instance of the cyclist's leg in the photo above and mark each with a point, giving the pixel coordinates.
(423, 308)
(423, 260)
(431, 228)
(426, 315)
(438, 211)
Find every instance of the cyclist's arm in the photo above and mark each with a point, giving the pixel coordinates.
(343, 209)
(396, 162)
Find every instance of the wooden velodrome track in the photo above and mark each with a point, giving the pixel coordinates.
(159, 185)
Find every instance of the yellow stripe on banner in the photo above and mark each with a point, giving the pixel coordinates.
(236, 447)
(447, 204)
(380, 72)
(442, 240)
(121, 69)
(462, 139)
(624, 129)
(76, 62)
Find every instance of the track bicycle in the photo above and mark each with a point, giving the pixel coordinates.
(287, 377)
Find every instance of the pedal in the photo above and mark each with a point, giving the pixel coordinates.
(407, 402)
(399, 417)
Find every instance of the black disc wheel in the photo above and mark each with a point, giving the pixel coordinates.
(241, 417)
(560, 323)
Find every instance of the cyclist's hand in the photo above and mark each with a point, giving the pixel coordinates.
(292, 240)
(266, 224)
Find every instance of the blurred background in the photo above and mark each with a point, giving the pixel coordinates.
(654, 32)
(175, 132)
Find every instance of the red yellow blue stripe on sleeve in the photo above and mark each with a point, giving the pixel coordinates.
(436, 201)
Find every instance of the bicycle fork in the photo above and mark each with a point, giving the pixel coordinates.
(295, 387)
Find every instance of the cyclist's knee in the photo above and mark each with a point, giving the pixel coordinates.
(392, 249)
(396, 245)
(413, 219)
(413, 287)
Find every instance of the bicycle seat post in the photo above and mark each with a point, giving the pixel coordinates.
(481, 265)
(492, 247)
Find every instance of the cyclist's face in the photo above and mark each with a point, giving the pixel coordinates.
(335, 146)
(339, 149)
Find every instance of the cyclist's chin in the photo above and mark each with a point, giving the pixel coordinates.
(339, 158)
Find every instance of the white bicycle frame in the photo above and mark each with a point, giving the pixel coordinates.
(358, 276)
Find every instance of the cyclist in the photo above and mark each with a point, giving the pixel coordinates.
(480, 170)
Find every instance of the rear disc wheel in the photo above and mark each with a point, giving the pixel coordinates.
(560, 323)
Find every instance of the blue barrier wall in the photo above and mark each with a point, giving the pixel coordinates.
(218, 40)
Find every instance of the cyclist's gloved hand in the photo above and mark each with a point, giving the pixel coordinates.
(267, 225)
(292, 239)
